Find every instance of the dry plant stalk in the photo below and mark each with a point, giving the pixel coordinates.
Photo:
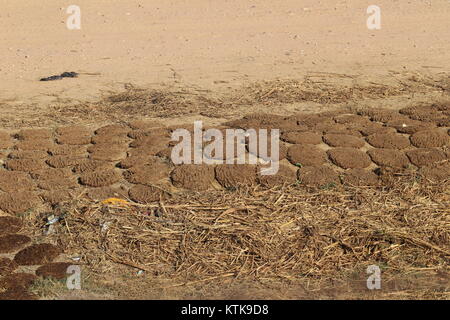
(285, 233)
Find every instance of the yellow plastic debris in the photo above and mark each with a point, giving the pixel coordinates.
(115, 201)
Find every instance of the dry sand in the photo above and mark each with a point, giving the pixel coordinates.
(210, 44)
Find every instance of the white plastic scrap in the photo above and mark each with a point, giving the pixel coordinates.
(51, 219)
(49, 230)
(105, 226)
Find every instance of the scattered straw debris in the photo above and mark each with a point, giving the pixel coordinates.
(173, 101)
(285, 234)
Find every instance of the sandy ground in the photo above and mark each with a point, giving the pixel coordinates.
(210, 44)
